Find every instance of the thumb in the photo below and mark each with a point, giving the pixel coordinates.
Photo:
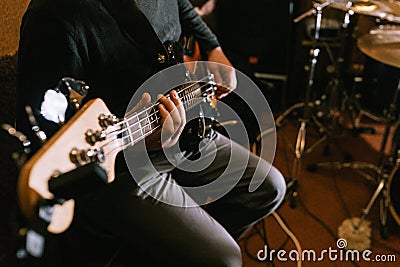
(144, 102)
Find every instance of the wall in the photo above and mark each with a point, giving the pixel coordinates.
(11, 13)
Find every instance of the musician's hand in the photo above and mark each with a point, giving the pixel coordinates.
(173, 119)
(225, 77)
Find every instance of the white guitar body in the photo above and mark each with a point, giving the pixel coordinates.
(54, 157)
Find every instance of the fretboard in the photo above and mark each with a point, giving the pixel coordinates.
(143, 123)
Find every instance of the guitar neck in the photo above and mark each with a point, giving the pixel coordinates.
(143, 123)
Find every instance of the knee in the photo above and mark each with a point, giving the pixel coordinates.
(277, 183)
(227, 256)
(273, 189)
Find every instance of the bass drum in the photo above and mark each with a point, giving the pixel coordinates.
(394, 178)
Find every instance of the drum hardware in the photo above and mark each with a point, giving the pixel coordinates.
(17, 144)
(381, 44)
(313, 111)
(380, 73)
(377, 45)
(353, 103)
(325, 112)
(307, 104)
(382, 177)
(378, 9)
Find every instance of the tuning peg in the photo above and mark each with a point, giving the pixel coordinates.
(107, 120)
(95, 136)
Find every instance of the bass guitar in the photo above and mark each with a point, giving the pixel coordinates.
(94, 134)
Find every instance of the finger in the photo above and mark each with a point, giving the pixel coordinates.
(172, 109)
(146, 99)
(170, 128)
(143, 102)
(168, 104)
(179, 106)
(170, 117)
(218, 77)
(222, 92)
(232, 80)
(166, 120)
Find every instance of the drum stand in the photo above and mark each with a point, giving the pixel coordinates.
(381, 171)
(383, 175)
(308, 105)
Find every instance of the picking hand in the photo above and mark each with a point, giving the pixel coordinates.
(224, 73)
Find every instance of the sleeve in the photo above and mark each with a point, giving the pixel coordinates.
(193, 24)
(47, 53)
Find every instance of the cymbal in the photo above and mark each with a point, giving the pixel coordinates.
(383, 10)
(382, 44)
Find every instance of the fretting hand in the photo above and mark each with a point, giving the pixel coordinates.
(173, 119)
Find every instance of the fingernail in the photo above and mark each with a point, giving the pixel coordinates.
(173, 93)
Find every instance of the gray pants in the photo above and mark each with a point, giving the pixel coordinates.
(154, 233)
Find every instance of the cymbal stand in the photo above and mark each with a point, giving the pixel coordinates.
(307, 104)
(317, 11)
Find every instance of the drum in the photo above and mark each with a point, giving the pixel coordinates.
(381, 73)
(394, 194)
(379, 83)
(394, 178)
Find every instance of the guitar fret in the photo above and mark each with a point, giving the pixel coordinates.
(143, 123)
(127, 126)
(154, 117)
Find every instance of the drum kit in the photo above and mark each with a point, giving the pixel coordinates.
(382, 45)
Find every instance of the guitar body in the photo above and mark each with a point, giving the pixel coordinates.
(192, 49)
(54, 157)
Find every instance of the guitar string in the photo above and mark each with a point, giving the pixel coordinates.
(148, 124)
(167, 95)
(125, 145)
(130, 135)
(154, 112)
(116, 132)
(123, 139)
